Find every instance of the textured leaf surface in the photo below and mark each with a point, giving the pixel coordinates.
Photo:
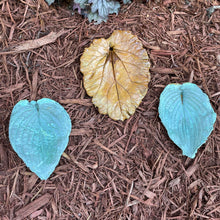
(187, 115)
(116, 74)
(98, 10)
(82, 3)
(39, 133)
(104, 8)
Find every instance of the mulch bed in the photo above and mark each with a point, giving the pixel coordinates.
(110, 169)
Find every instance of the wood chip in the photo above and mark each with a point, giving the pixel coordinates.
(36, 213)
(3, 157)
(80, 131)
(33, 206)
(149, 194)
(33, 44)
(85, 102)
(164, 70)
(104, 147)
(163, 52)
(73, 159)
(191, 170)
(13, 88)
(34, 85)
(176, 32)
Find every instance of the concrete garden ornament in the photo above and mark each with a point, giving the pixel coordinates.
(187, 115)
(39, 133)
(116, 74)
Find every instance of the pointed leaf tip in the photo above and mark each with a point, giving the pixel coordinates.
(187, 115)
(39, 133)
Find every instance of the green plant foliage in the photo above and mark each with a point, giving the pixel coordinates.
(98, 10)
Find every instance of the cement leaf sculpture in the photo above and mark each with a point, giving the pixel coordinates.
(187, 115)
(39, 133)
(116, 74)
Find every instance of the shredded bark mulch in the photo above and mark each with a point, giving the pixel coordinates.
(110, 169)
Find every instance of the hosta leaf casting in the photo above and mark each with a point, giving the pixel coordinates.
(39, 133)
(187, 115)
(116, 74)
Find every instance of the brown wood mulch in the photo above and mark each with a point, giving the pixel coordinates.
(110, 169)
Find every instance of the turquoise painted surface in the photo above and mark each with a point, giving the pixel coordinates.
(188, 116)
(39, 133)
(50, 1)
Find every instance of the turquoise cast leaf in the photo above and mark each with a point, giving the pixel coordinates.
(39, 133)
(187, 114)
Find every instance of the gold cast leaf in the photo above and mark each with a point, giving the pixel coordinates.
(116, 74)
